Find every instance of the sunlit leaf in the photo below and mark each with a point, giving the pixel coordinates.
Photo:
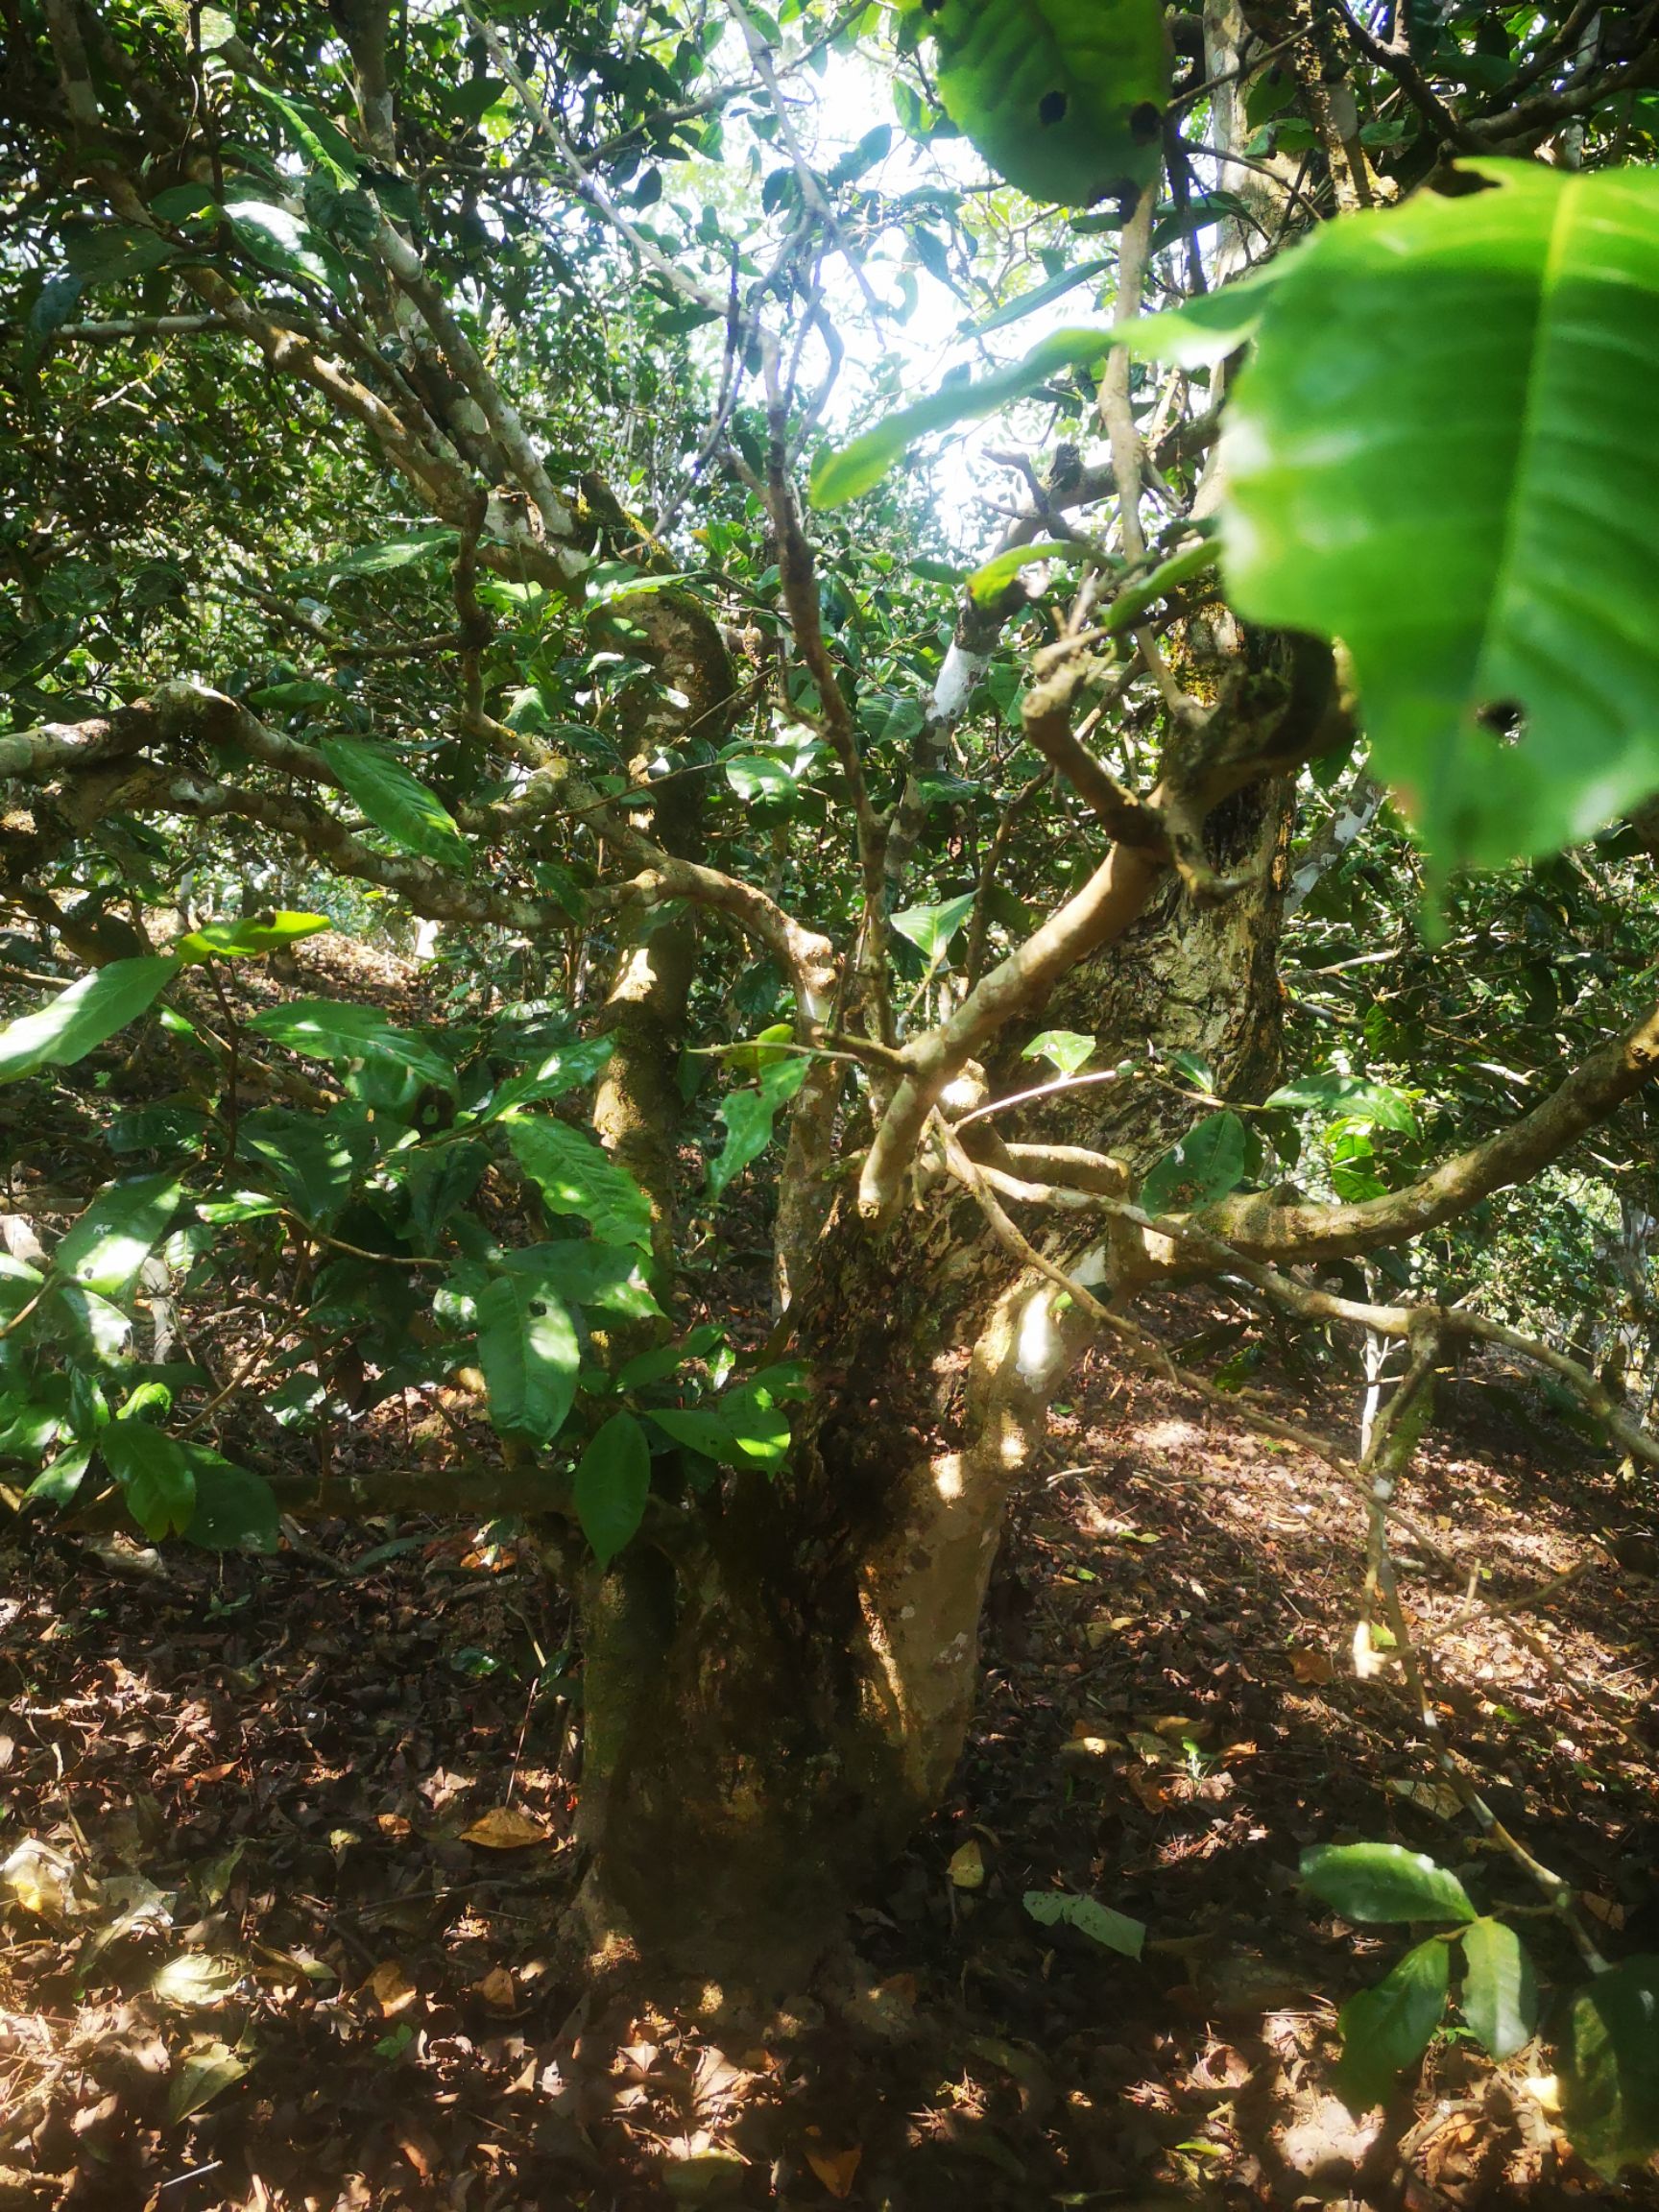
(1383, 1882)
(1064, 98)
(67, 1027)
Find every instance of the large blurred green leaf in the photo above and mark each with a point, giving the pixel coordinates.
(1612, 2088)
(1445, 452)
(67, 1027)
(1065, 98)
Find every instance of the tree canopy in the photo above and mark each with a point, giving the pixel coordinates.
(1007, 644)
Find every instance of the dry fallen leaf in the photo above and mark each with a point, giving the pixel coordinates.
(836, 2169)
(498, 1990)
(391, 1988)
(1607, 1909)
(1438, 1798)
(1311, 1665)
(966, 1867)
(391, 1825)
(196, 1980)
(503, 1829)
(417, 2146)
(39, 1878)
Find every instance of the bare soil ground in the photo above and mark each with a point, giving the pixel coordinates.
(273, 1942)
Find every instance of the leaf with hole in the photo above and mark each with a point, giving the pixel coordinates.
(253, 933)
(1064, 98)
(1443, 451)
(528, 1349)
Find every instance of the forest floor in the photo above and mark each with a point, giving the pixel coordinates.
(287, 1842)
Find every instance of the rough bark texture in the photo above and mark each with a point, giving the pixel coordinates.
(800, 1704)
(638, 1106)
(1183, 979)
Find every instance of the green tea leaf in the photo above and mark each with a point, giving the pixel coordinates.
(576, 1176)
(1383, 1882)
(1500, 1997)
(105, 1249)
(1068, 1049)
(1353, 1096)
(584, 1272)
(529, 1351)
(749, 1115)
(995, 575)
(253, 933)
(154, 1472)
(337, 1030)
(932, 928)
(613, 1483)
(1387, 2029)
(1064, 98)
(1611, 2089)
(1205, 1165)
(235, 1511)
(69, 1027)
(411, 816)
(859, 466)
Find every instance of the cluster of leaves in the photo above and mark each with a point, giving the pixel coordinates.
(1610, 2086)
(377, 1194)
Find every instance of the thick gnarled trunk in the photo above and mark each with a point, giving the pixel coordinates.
(772, 1714)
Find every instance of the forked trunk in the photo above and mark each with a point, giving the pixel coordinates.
(772, 1714)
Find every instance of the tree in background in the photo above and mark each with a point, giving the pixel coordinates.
(422, 505)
